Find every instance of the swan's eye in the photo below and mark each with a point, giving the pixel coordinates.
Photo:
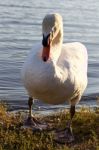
(51, 35)
(54, 29)
(52, 32)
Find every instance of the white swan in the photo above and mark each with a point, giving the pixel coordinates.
(55, 72)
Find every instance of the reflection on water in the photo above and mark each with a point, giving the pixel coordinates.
(20, 27)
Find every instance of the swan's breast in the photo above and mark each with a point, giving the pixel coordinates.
(44, 81)
(37, 75)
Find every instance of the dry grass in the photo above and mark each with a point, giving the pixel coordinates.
(85, 128)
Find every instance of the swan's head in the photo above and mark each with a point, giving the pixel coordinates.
(52, 32)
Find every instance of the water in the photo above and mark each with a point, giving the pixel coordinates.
(20, 28)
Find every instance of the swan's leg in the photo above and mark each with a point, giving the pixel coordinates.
(30, 103)
(31, 117)
(31, 120)
(72, 113)
(68, 130)
(66, 134)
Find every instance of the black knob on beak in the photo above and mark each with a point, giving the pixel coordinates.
(45, 40)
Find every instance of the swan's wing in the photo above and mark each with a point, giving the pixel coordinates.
(74, 56)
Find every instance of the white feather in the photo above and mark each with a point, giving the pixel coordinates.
(62, 78)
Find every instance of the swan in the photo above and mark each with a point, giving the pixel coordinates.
(55, 72)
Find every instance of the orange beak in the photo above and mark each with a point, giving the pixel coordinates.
(45, 53)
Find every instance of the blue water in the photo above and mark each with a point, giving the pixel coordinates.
(20, 28)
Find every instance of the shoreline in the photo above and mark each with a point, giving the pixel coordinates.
(85, 127)
(91, 102)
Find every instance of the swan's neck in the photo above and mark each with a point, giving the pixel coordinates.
(56, 47)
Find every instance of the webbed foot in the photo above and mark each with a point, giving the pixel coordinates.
(34, 124)
(64, 136)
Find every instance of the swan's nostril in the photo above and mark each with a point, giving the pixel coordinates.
(44, 59)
